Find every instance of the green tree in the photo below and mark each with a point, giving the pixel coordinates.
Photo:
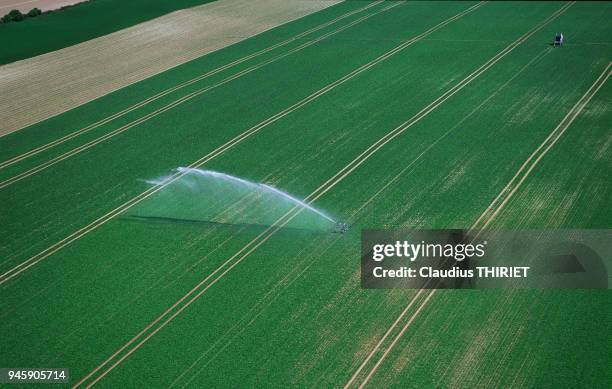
(16, 15)
(34, 12)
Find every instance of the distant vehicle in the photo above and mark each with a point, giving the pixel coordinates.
(558, 39)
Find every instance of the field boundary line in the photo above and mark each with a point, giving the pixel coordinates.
(548, 143)
(181, 100)
(184, 84)
(247, 249)
(213, 154)
(179, 63)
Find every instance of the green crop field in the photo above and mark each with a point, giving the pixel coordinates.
(76, 24)
(141, 246)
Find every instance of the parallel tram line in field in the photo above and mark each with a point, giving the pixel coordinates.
(535, 59)
(521, 175)
(188, 97)
(18, 269)
(416, 297)
(182, 85)
(218, 346)
(489, 214)
(171, 313)
(150, 328)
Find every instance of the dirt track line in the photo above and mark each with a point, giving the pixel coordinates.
(137, 199)
(213, 154)
(574, 111)
(165, 92)
(443, 136)
(556, 135)
(180, 101)
(386, 335)
(262, 237)
(376, 349)
(216, 348)
(396, 339)
(548, 143)
(421, 114)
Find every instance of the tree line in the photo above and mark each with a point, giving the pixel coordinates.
(16, 15)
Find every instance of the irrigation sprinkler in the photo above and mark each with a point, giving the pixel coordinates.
(341, 228)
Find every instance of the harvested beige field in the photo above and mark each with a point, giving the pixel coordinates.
(40, 87)
(26, 5)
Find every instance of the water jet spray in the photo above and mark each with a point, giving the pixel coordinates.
(222, 199)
